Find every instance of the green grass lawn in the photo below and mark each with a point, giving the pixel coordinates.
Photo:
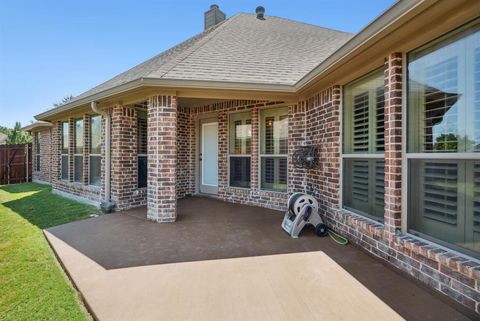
(32, 284)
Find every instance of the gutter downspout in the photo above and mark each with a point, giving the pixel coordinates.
(107, 205)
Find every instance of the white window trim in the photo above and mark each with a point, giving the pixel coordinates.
(259, 137)
(343, 156)
(67, 154)
(239, 155)
(90, 148)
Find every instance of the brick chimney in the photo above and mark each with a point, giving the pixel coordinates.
(213, 16)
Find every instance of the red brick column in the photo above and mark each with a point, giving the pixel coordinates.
(71, 146)
(86, 147)
(124, 164)
(223, 180)
(56, 150)
(162, 158)
(255, 149)
(393, 143)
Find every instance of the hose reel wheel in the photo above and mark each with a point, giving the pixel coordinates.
(298, 200)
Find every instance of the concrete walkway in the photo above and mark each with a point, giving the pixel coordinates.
(301, 286)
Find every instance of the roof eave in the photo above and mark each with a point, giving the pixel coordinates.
(376, 29)
(36, 125)
(170, 84)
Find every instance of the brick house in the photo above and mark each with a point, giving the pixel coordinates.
(393, 112)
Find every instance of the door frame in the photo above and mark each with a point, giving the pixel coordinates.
(201, 119)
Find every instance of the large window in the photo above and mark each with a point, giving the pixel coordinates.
(78, 151)
(363, 146)
(240, 140)
(142, 148)
(95, 157)
(273, 149)
(37, 151)
(64, 163)
(444, 140)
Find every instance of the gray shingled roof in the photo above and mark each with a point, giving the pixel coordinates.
(242, 49)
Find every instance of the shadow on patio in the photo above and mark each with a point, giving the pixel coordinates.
(209, 229)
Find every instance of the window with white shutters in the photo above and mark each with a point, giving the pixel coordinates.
(95, 154)
(64, 151)
(142, 148)
(274, 149)
(240, 145)
(444, 140)
(364, 146)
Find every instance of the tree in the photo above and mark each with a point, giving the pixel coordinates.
(17, 136)
(446, 142)
(65, 100)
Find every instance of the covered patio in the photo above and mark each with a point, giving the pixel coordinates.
(224, 261)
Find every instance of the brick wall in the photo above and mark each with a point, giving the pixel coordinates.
(323, 131)
(78, 189)
(253, 196)
(124, 159)
(453, 274)
(184, 168)
(45, 155)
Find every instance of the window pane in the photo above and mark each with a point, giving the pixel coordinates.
(65, 138)
(95, 134)
(77, 168)
(65, 167)
(274, 131)
(94, 177)
(78, 149)
(142, 132)
(363, 115)
(444, 201)
(444, 95)
(274, 173)
(37, 162)
(37, 143)
(142, 171)
(240, 133)
(240, 172)
(363, 190)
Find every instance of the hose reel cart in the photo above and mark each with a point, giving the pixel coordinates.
(303, 210)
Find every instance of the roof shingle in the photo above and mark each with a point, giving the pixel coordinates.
(242, 49)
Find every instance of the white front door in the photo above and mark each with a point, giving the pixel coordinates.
(209, 157)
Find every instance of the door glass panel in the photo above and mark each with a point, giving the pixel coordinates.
(210, 154)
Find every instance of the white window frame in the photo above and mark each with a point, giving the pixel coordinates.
(239, 155)
(343, 156)
(68, 151)
(139, 155)
(37, 152)
(260, 155)
(90, 154)
(406, 156)
(75, 155)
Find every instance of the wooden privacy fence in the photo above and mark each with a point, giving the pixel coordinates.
(15, 163)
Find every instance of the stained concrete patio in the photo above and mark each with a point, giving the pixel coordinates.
(232, 262)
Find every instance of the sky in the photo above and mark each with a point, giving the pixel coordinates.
(52, 49)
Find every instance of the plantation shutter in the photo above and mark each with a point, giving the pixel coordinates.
(379, 187)
(476, 197)
(360, 123)
(380, 119)
(440, 191)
